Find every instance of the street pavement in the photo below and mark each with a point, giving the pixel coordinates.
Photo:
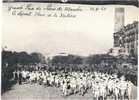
(39, 92)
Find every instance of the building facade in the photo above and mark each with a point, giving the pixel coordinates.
(126, 39)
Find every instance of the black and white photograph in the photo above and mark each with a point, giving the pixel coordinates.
(69, 50)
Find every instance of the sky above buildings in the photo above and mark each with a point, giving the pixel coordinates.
(90, 32)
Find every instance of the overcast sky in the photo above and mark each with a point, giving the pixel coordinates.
(88, 33)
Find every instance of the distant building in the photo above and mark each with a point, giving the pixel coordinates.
(57, 54)
(119, 18)
(125, 37)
